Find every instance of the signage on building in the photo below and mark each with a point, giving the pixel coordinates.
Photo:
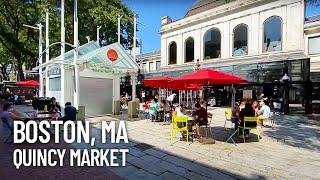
(54, 71)
(247, 94)
(112, 55)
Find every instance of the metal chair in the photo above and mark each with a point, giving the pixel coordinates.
(208, 125)
(175, 128)
(228, 114)
(244, 127)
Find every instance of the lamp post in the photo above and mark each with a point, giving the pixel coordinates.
(285, 80)
(119, 28)
(39, 27)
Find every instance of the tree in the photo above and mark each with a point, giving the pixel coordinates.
(21, 43)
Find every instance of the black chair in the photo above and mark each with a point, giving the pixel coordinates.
(5, 123)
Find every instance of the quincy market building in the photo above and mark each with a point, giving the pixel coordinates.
(260, 40)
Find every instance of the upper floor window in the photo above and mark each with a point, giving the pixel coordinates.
(173, 53)
(158, 64)
(272, 34)
(314, 45)
(144, 66)
(240, 40)
(212, 44)
(189, 50)
(151, 67)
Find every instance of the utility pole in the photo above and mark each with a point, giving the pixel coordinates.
(62, 85)
(119, 28)
(47, 52)
(75, 54)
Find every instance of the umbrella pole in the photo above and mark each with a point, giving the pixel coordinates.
(187, 100)
(232, 97)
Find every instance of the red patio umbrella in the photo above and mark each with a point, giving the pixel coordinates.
(157, 82)
(177, 86)
(30, 83)
(209, 77)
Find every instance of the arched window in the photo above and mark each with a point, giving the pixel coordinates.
(240, 40)
(189, 50)
(272, 34)
(173, 53)
(212, 44)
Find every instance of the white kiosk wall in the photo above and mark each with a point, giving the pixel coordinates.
(96, 95)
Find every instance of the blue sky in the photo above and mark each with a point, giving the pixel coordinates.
(151, 11)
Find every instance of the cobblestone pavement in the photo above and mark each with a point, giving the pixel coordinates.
(291, 150)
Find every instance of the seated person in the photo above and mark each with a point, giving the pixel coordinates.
(54, 106)
(201, 118)
(179, 111)
(70, 112)
(247, 111)
(264, 112)
(8, 116)
(235, 114)
(255, 106)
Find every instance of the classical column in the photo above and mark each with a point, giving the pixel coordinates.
(116, 95)
(133, 104)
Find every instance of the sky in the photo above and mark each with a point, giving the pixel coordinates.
(151, 11)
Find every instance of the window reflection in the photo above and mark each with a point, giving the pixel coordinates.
(272, 36)
(173, 53)
(212, 44)
(240, 40)
(189, 50)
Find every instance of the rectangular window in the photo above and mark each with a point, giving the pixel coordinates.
(54, 84)
(314, 45)
(158, 63)
(144, 67)
(151, 68)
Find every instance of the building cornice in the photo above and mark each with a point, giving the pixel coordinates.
(207, 14)
(270, 57)
(217, 12)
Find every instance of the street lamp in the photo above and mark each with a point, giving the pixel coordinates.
(39, 27)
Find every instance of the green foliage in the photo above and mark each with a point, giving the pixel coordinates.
(19, 44)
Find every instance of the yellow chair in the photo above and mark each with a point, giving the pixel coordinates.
(175, 128)
(250, 119)
(228, 114)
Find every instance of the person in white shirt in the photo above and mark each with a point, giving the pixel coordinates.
(264, 112)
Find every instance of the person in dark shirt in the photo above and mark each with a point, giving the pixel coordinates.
(247, 111)
(70, 112)
(54, 106)
(201, 118)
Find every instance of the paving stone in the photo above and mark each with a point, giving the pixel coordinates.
(141, 174)
(173, 168)
(124, 171)
(136, 152)
(170, 176)
(155, 153)
(150, 159)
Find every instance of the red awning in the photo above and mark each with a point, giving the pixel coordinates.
(30, 83)
(157, 82)
(209, 77)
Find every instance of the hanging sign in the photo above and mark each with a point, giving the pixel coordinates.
(112, 55)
